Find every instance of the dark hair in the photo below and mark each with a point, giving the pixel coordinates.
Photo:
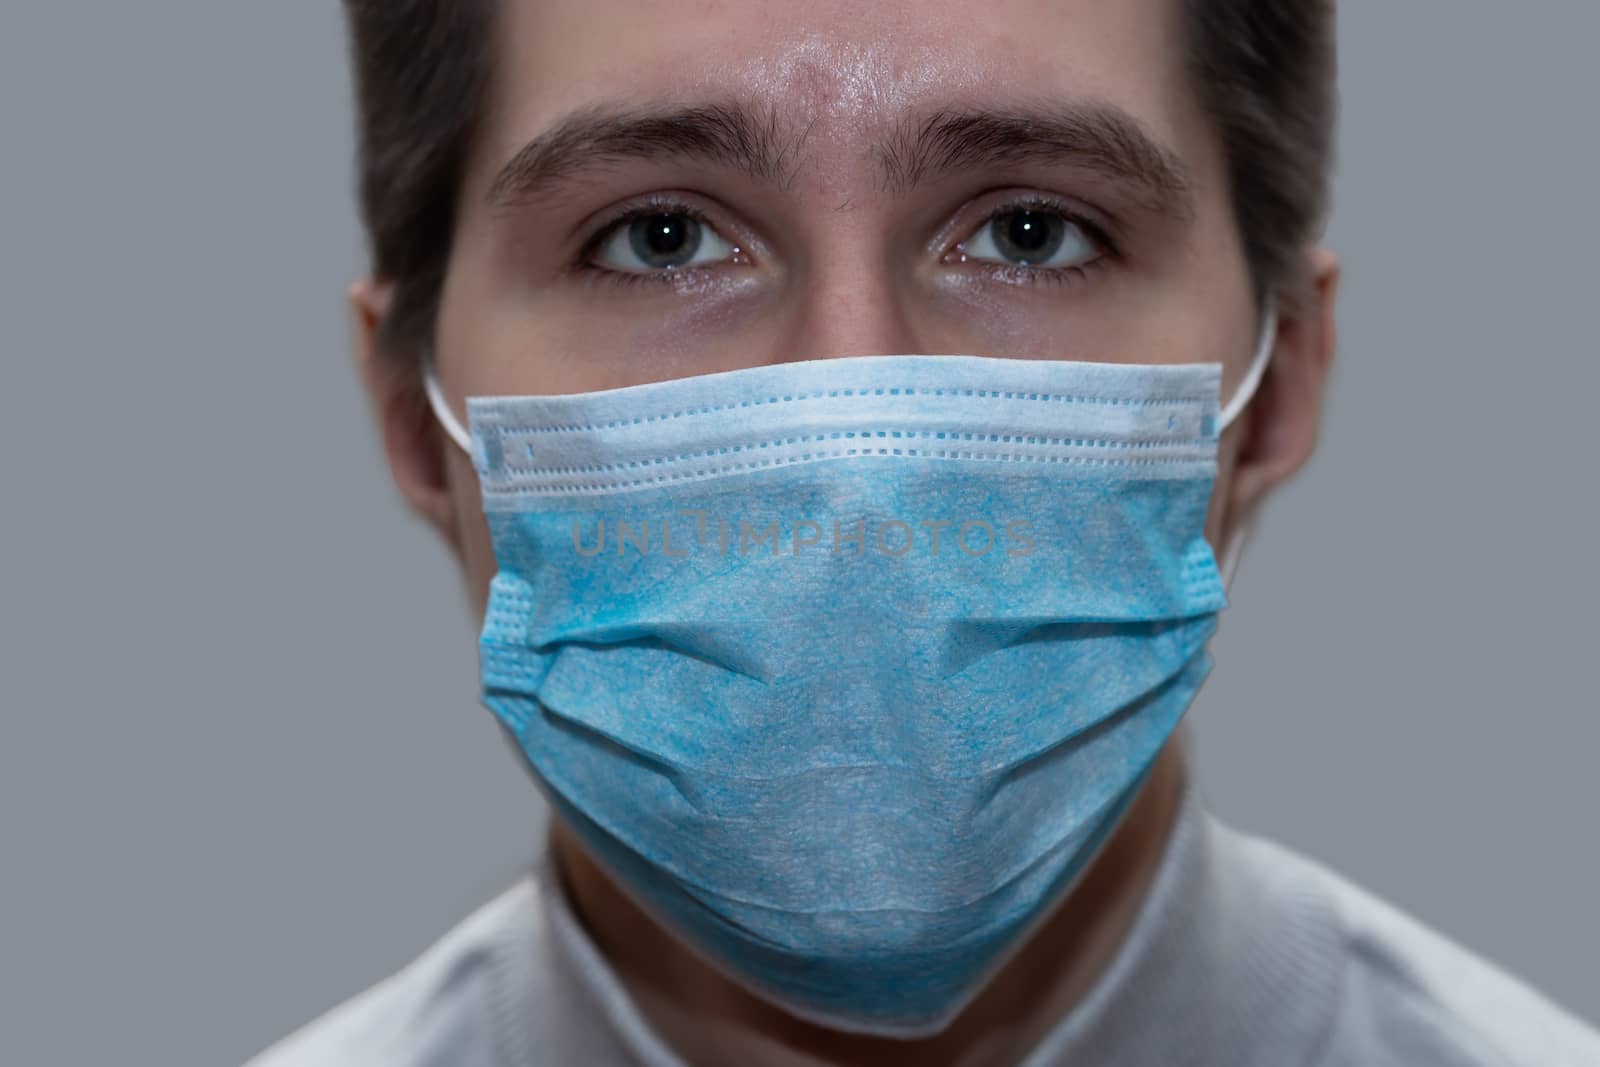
(421, 79)
(1264, 70)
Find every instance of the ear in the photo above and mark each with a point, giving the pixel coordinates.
(1278, 430)
(413, 443)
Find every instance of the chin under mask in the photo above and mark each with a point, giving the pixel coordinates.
(845, 668)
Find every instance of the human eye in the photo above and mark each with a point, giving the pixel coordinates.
(658, 240)
(1036, 240)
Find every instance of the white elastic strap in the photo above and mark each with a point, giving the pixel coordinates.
(441, 408)
(1235, 547)
(1258, 366)
(1241, 398)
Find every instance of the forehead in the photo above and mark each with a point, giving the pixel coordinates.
(835, 77)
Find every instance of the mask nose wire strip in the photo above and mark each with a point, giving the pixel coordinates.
(441, 408)
(1246, 391)
(1241, 398)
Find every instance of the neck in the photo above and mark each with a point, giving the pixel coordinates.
(711, 1021)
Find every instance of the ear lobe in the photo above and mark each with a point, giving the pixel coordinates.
(413, 444)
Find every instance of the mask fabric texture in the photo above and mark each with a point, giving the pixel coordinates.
(845, 668)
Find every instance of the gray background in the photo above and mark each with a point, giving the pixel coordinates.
(243, 772)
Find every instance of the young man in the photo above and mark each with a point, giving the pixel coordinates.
(757, 303)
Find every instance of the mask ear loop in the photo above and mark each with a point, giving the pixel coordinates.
(1234, 547)
(441, 407)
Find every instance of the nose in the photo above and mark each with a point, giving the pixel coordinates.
(853, 306)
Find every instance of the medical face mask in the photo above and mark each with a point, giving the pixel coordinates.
(844, 669)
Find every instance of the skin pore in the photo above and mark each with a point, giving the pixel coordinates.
(844, 164)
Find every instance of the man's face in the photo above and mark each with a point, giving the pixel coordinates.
(868, 202)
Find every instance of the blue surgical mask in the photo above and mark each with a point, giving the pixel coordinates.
(844, 669)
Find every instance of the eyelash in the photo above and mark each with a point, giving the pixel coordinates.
(1015, 273)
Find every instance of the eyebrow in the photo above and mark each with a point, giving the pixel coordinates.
(1093, 136)
(598, 138)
